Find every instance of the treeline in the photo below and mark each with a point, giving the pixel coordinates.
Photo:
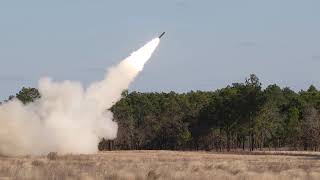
(242, 116)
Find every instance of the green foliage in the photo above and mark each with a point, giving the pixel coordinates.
(238, 116)
(268, 124)
(27, 95)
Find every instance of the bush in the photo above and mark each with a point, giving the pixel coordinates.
(52, 156)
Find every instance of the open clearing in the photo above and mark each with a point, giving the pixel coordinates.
(164, 165)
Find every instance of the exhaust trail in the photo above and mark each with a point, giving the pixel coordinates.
(69, 118)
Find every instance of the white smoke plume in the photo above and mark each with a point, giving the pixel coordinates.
(69, 118)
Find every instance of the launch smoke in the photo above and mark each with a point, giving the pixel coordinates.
(69, 118)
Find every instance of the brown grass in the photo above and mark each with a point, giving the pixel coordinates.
(164, 165)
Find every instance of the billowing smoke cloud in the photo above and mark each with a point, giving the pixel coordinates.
(68, 118)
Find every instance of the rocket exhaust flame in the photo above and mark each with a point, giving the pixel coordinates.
(68, 118)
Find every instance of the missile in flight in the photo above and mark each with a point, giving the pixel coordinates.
(161, 35)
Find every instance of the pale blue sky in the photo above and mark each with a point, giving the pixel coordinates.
(209, 43)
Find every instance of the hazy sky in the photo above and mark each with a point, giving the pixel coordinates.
(209, 43)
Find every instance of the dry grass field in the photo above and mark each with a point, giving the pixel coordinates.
(164, 165)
